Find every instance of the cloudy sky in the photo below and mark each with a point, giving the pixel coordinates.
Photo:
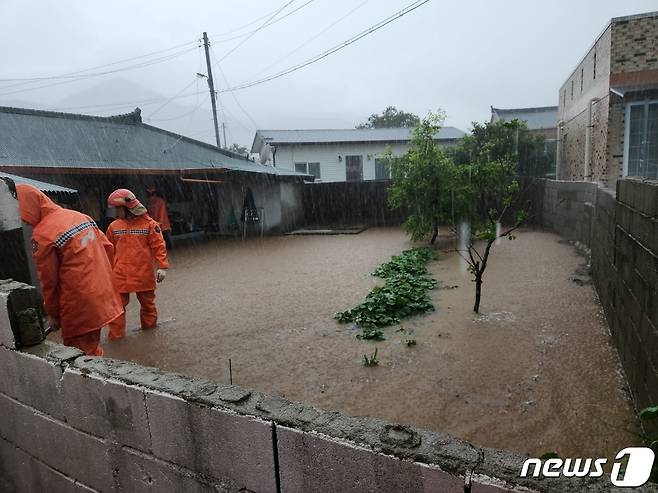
(458, 56)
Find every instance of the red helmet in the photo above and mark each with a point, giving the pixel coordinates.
(123, 197)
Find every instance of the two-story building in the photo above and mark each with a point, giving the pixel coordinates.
(339, 155)
(608, 106)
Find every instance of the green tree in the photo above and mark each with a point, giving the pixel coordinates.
(237, 148)
(422, 179)
(489, 161)
(391, 117)
(507, 140)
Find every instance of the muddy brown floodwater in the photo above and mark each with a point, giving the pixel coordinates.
(535, 372)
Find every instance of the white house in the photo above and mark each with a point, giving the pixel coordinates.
(338, 155)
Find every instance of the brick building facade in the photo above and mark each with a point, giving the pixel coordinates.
(608, 106)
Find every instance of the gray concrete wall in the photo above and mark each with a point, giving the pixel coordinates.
(69, 422)
(621, 231)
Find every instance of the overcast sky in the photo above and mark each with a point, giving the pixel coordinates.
(458, 56)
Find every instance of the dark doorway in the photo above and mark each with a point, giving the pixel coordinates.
(354, 168)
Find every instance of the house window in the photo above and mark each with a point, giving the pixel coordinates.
(594, 72)
(382, 171)
(353, 168)
(308, 169)
(641, 140)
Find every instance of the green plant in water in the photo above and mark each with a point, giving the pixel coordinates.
(370, 360)
(404, 294)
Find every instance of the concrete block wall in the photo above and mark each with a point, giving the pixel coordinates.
(567, 208)
(69, 422)
(621, 231)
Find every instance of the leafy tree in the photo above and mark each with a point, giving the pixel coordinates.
(473, 188)
(422, 180)
(503, 139)
(237, 148)
(489, 161)
(391, 117)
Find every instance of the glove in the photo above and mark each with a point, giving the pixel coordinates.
(160, 275)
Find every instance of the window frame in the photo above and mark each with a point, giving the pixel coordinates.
(627, 130)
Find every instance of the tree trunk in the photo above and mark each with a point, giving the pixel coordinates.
(435, 232)
(478, 292)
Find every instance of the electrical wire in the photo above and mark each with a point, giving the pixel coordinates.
(250, 35)
(169, 100)
(237, 102)
(25, 79)
(305, 43)
(266, 24)
(375, 27)
(70, 79)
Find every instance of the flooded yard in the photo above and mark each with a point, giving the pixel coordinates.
(535, 372)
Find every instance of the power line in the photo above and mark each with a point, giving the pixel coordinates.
(305, 43)
(266, 24)
(97, 74)
(375, 27)
(169, 100)
(69, 74)
(256, 30)
(237, 102)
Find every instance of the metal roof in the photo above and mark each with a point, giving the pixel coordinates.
(537, 118)
(327, 136)
(46, 139)
(41, 185)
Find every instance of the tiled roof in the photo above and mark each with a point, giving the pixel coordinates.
(62, 140)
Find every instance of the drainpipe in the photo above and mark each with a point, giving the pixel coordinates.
(558, 149)
(587, 171)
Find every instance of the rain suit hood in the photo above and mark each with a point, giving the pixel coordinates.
(34, 205)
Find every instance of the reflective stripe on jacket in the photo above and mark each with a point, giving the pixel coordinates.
(138, 244)
(74, 264)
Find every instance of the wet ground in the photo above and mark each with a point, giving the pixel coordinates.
(535, 372)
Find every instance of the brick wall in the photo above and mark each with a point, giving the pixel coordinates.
(634, 44)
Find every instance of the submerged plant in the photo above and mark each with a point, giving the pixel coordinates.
(370, 360)
(404, 294)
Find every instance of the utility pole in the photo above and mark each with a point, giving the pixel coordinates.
(211, 86)
(224, 133)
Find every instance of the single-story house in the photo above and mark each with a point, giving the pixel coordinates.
(541, 120)
(206, 188)
(338, 155)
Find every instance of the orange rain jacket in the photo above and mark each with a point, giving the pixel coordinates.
(158, 211)
(74, 264)
(138, 242)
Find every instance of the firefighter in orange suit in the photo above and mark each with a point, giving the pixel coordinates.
(74, 264)
(139, 245)
(157, 209)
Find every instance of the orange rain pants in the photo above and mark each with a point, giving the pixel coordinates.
(148, 314)
(74, 263)
(89, 343)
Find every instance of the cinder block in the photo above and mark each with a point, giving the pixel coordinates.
(311, 463)
(23, 308)
(212, 442)
(139, 472)
(106, 408)
(20, 472)
(31, 380)
(73, 453)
